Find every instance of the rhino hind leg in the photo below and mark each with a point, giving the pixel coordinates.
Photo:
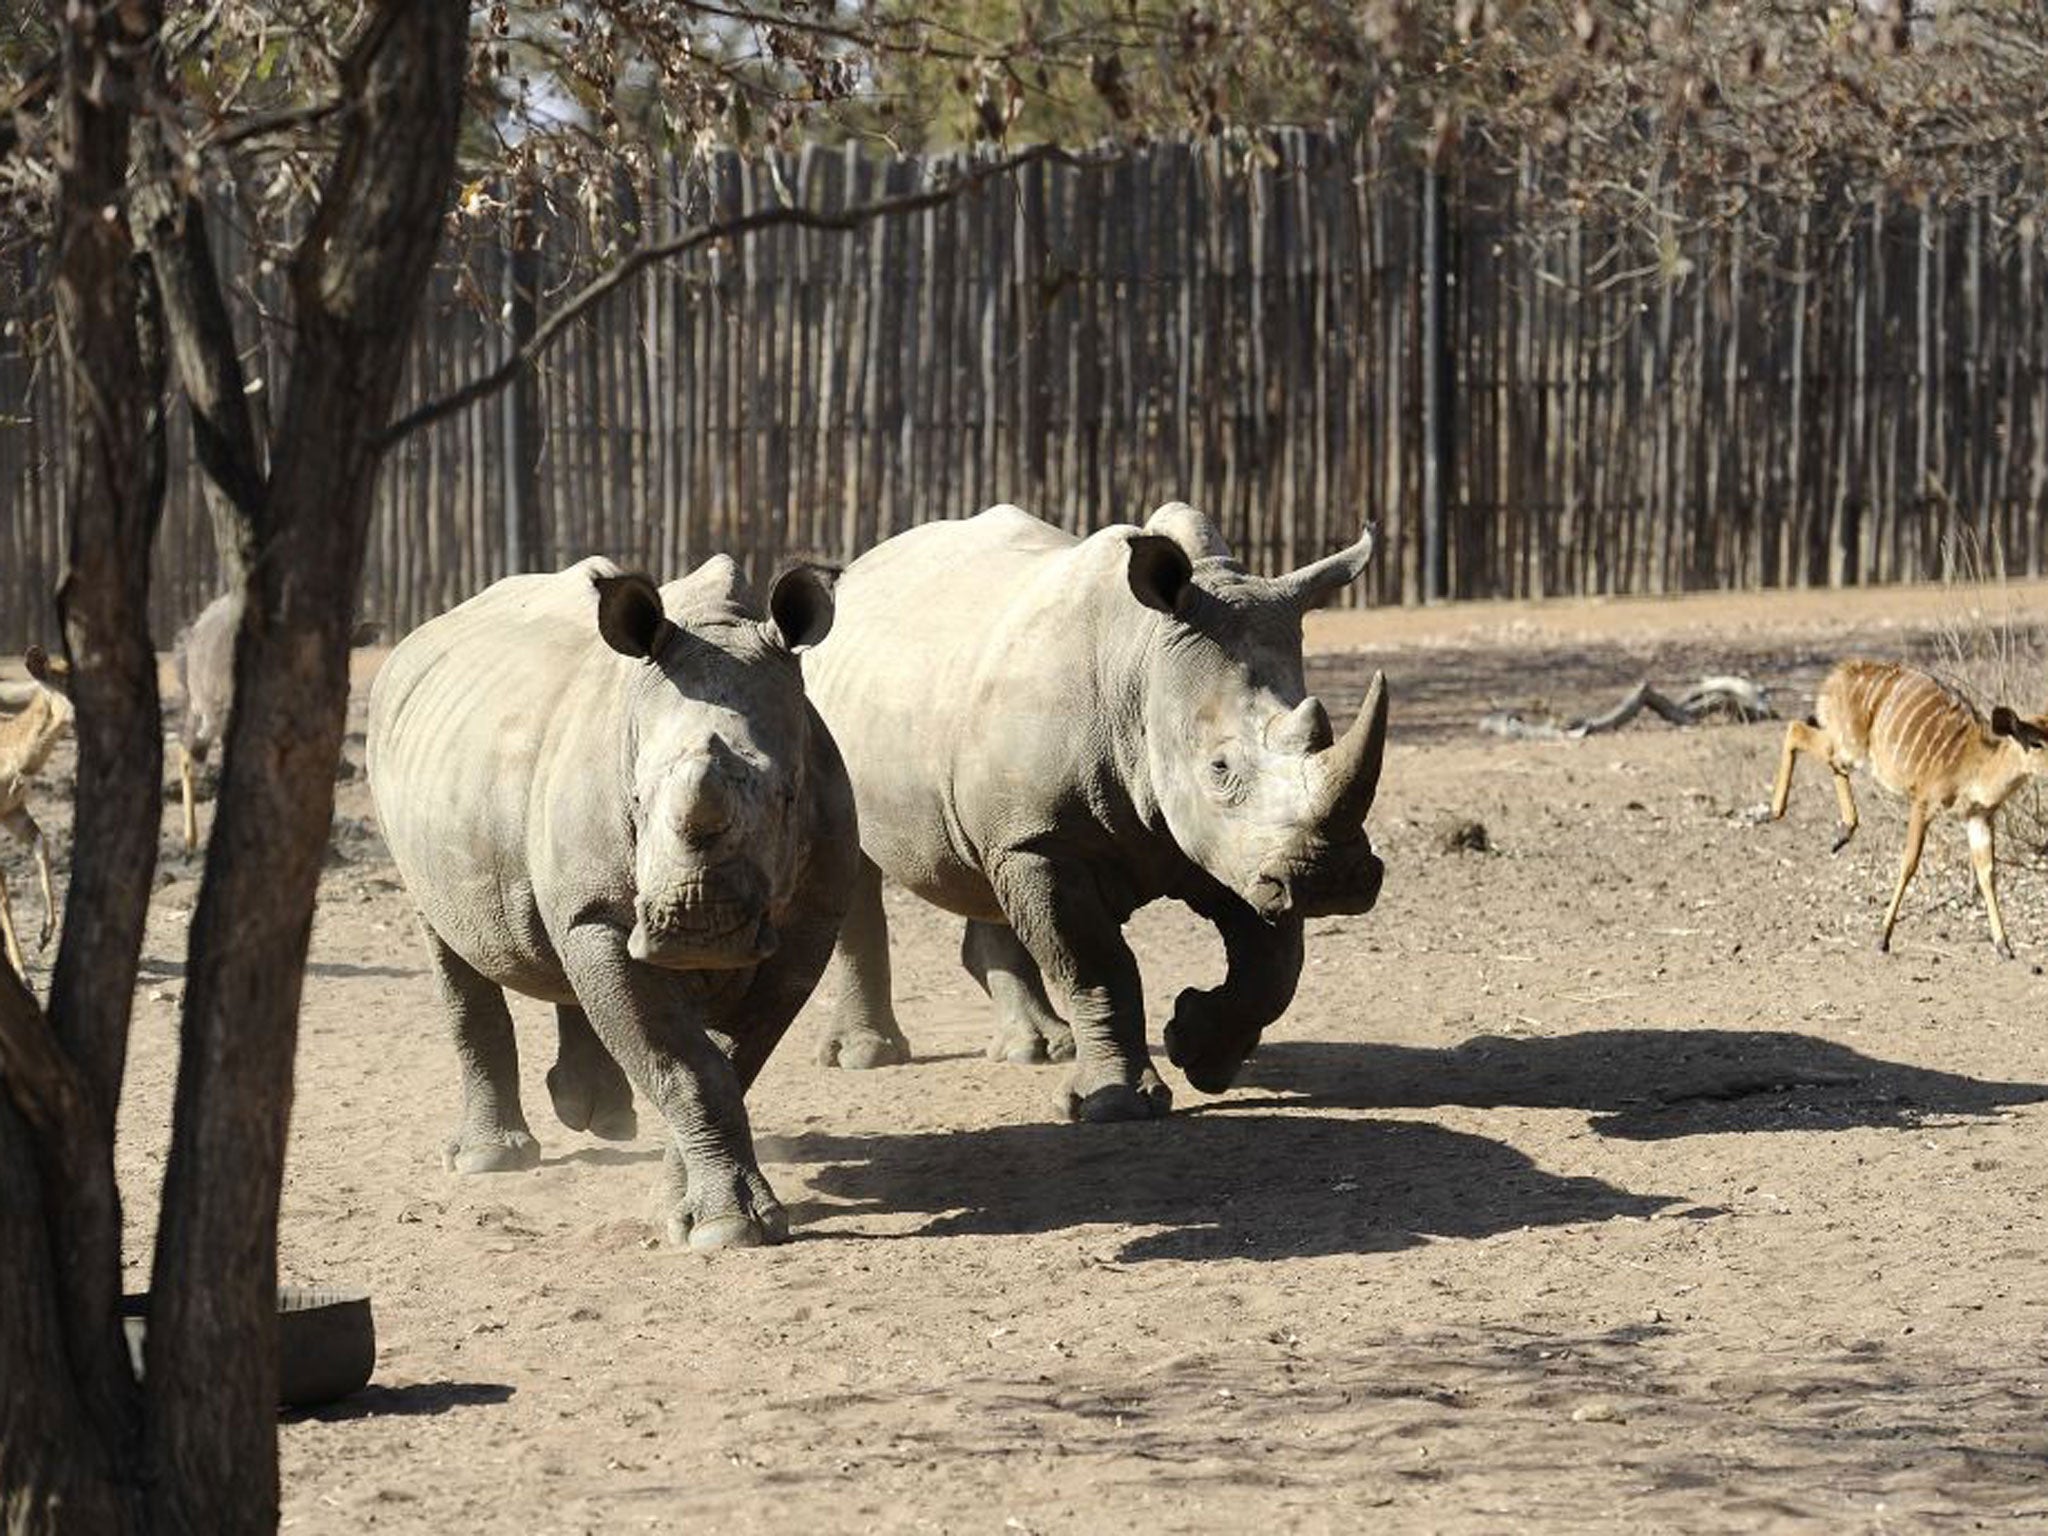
(493, 1136)
(862, 1031)
(1028, 1030)
(589, 1090)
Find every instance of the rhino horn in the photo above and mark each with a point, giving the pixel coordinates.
(1351, 769)
(1303, 729)
(707, 803)
(1309, 586)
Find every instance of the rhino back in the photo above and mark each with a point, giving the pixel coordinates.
(205, 656)
(495, 740)
(962, 683)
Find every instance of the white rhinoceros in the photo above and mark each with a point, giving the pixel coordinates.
(1045, 733)
(616, 799)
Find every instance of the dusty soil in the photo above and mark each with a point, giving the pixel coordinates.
(1606, 1180)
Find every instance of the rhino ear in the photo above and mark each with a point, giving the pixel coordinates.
(1159, 571)
(800, 606)
(629, 614)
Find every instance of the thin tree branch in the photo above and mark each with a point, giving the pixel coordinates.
(261, 124)
(631, 266)
(33, 91)
(202, 345)
(849, 35)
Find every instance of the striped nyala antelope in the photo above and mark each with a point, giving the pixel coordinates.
(1923, 741)
(26, 741)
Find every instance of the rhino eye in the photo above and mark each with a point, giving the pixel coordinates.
(1223, 779)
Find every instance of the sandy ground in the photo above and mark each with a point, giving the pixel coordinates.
(1606, 1180)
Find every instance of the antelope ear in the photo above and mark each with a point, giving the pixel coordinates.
(2026, 732)
(47, 669)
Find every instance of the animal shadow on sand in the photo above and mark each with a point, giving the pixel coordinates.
(153, 969)
(603, 1157)
(418, 1399)
(1243, 1186)
(1637, 1084)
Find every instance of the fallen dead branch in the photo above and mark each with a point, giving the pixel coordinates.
(1712, 698)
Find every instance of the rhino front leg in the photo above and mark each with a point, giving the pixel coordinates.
(493, 1136)
(1079, 948)
(590, 1092)
(1027, 1028)
(862, 1030)
(717, 1197)
(1214, 1031)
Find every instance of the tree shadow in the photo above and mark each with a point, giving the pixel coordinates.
(418, 1399)
(151, 968)
(1638, 1084)
(1247, 1186)
(345, 969)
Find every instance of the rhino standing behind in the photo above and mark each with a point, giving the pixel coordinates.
(204, 653)
(617, 800)
(1047, 733)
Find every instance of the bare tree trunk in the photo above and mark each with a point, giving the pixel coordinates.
(57, 1471)
(69, 1417)
(210, 1430)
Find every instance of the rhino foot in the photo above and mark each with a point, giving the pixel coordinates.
(1148, 1099)
(615, 1124)
(1209, 1068)
(856, 1050)
(600, 1105)
(495, 1152)
(1209, 1040)
(749, 1216)
(1028, 1047)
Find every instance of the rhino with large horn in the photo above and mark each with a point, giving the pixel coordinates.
(1045, 733)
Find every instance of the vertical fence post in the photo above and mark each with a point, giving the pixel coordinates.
(1436, 383)
(525, 533)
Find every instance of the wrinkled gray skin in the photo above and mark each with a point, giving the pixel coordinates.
(1047, 733)
(205, 657)
(619, 802)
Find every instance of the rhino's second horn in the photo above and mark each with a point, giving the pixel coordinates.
(705, 796)
(1303, 729)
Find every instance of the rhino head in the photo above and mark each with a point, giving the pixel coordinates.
(719, 737)
(1250, 778)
